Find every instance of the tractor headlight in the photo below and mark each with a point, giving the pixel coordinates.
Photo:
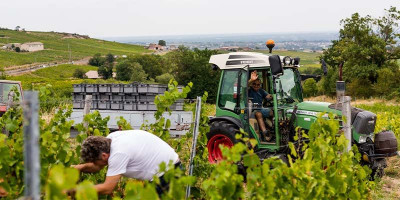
(363, 138)
(287, 60)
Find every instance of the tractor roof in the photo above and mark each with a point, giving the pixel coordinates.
(240, 60)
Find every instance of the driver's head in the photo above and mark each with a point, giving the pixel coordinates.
(256, 85)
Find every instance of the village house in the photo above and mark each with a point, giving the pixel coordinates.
(92, 74)
(155, 47)
(32, 46)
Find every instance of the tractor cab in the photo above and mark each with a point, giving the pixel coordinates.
(237, 109)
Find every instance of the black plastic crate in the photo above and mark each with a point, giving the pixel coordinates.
(130, 97)
(177, 106)
(105, 97)
(104, 88)
(117, 88)
(117, 105)
(77, 104)
(130, 105)
(151, 106)
(95, 104)
(91, 88)
(79, 87)
(78, 96)
(130, 88)
(147, 97)
(141, 105)
(104, 105)
(117, 97)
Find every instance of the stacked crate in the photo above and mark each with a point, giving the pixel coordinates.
(134, 96)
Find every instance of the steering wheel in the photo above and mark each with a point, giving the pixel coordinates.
(268, 102)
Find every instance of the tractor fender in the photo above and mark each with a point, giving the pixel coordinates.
(232, 120)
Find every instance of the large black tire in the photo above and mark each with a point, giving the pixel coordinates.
(221, 132)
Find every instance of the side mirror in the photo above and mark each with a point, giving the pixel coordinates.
(276, 65)
(296, 61)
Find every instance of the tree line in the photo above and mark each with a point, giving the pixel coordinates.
(183, 65)
(369, 53)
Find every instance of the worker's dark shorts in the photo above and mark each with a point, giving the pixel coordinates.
(264, 111)
(163, 187)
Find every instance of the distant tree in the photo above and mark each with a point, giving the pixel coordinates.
(79, 73)
(365, 45)
(17, 49)
(110, 58)
(152, 64)
(138, 73)
(17, 28)
(310, 87)
(124, 70)
(162, 43)
(193, 66)
(105, 71)
(164, 78)
(97, 60)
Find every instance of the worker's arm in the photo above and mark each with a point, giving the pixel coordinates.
(253, 77)
(108, 186)
(87, 167)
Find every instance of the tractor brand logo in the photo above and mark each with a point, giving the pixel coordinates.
(246, 62)
(371, 122)
(305, 112)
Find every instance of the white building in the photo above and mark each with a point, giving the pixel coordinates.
(32, 46)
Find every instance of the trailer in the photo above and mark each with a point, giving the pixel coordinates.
(134, 102)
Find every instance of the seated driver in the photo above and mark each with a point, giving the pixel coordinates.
(258, 95)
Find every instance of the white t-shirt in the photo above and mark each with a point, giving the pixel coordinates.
(138, 154)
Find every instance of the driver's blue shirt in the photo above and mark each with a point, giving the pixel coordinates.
(258, 96)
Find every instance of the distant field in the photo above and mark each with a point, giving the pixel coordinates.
(56, 48)
(307, 59)
(60, 77)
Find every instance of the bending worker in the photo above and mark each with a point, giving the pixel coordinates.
(134, 154)
(258, 95)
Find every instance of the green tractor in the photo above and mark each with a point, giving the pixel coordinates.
(235, 110)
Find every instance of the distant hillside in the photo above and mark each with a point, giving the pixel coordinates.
(56, 47)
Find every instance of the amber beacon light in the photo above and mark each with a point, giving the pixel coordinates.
(270, 44)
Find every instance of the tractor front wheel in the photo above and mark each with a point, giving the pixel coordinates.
(221, 133)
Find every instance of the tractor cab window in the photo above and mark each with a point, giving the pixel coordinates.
(229, 90)
(288, 88)
(5, 89)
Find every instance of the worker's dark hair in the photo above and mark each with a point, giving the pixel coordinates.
(93, 146)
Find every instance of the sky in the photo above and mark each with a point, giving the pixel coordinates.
(114, 18)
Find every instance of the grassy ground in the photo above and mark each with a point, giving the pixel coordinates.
(56, 48)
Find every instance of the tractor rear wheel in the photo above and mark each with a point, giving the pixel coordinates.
(221, 133)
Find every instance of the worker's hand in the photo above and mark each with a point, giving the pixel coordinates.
(254, 75)
(70, 192)
(269, 97)
(3, 192)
